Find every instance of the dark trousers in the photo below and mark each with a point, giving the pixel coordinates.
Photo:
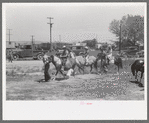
(46, 72)
(11, 58)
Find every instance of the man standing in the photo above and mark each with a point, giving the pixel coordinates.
(64, 56)
(11, 55)
(46, 68)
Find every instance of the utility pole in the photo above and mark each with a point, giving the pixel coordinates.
(60, 41)
(120, 39)
(50, 31)
(9, 35)
(32, 43)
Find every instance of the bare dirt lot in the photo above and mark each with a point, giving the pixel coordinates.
(22, 83)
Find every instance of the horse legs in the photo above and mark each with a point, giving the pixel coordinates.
(62, 73)
(74, 72)
(95, 66)
(96, 70)
(141, 78)
(141, 75)
(108, 60)
(79, 70)
(101, 63)
(55, 75)
(118, 68)
(82, 68)
(11, 60)
(46, 72)
(136, 75)
(91, 68)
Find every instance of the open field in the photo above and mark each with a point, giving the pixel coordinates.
(22, 83)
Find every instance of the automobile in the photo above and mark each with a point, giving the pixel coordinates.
(26, 51)
(129, 51)
(77, 49)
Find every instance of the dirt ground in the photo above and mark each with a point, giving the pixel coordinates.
(22, 83)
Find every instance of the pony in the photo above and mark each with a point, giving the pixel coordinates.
(118, 62)
(68, 63)
(80, 60)
(138, 65)
(105, 61)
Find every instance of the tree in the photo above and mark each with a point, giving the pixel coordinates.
(132, 28)
(90, 43)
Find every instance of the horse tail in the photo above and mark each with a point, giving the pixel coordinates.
(95, 64)
(121, 64)
(133, 69)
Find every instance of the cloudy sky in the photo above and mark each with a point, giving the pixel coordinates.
(74, 22)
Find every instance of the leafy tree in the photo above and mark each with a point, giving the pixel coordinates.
(90, 43)
(132, 28)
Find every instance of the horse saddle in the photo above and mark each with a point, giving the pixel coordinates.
(64, 59)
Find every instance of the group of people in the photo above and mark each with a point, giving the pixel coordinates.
(106, 51)
(67, 52)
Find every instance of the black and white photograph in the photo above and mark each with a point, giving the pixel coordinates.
(74, 55)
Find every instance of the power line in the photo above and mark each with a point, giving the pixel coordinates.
(50, 18)
(120, 38)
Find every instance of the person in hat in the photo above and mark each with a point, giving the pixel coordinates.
(65, 52)
(86, 54)
(46, 68)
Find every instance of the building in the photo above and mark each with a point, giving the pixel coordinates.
(11, 45)
(80, 44)
(98, 45)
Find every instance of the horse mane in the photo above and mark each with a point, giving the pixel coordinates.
(54, 59)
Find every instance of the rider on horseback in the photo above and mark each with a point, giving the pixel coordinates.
(106, 52)
(104, 58)
(109, 53)
(86, 54)
(66, 53)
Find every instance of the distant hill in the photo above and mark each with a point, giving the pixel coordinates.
(28, 42)
(35, 42)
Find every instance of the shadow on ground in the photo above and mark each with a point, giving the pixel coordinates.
(136, 82)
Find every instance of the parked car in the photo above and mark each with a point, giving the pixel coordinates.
(26, 51)
(77, 49)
